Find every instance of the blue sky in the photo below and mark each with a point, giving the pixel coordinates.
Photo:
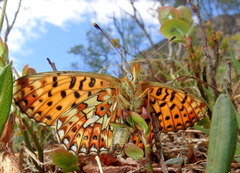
(49, 28)
(53, 44)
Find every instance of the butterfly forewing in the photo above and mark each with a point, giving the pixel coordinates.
(79, 104)
(175, 109)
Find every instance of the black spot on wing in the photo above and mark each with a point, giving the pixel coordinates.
(159, 91)
(63, 94)
(92, 82)
(76, 94)
(81, 83)
(72, 83)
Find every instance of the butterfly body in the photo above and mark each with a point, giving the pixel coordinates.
(81, 106)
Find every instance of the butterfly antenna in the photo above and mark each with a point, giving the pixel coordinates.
(166, 42)
(123, 57)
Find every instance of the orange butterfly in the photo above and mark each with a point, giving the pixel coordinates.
(82, 105)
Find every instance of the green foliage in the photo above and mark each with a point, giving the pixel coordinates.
(136, 118)
(6, 88)
(133, 151)
(223, 136)
(235, 62)
(3, 53)
(175, 22)
(65, 160)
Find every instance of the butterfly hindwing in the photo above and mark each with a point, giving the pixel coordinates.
(175, 109)
(85, 128)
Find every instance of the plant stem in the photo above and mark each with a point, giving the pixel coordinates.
(2, 14)
(149, 167)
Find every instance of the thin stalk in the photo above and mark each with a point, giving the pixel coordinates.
(36, 142)
(149, 167)
(29, 146)
(3, 14)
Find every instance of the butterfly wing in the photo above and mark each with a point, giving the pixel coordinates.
(175, 109)
(85, 128)
(76, 103)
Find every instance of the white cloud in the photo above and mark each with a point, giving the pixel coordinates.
(35, 14)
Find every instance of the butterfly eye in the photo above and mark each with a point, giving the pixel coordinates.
(130, 76)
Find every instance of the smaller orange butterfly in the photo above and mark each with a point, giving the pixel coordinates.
(81, 106)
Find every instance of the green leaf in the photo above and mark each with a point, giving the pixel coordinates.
(223, 136)
(2, 62)
(186, 13)
(6, 89)
(182, 67)
(168, 13)
(235, 61)
(65, 160)
(175, 27)
(116, 125)
(175, 161)
(140, 121)
(237, 152)
(3, 50)
(133, 151)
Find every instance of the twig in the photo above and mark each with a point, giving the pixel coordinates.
(33, 156)
(229, 81)
(9, 27)
(3, 14)
(216, 50)
(99, 164)
(212, 69)
(52, 64)
(138, 19)
(235, 89)
(158, 143)
(199, 80)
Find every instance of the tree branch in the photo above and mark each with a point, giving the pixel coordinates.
(9, 27)
(138, 19)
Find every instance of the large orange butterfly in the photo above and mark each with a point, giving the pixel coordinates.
(82, 105)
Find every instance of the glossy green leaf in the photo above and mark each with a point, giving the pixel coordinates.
(6, 89)
(175, 27)
(186, 14)
(140, 121)
(203, 125)
(223, 136)
(133, 151)
(65, 160)
(168, 13)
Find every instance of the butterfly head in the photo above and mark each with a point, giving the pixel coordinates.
(133, 75)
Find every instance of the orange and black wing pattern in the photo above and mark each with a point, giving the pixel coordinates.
(79, 105)
(175, 109)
